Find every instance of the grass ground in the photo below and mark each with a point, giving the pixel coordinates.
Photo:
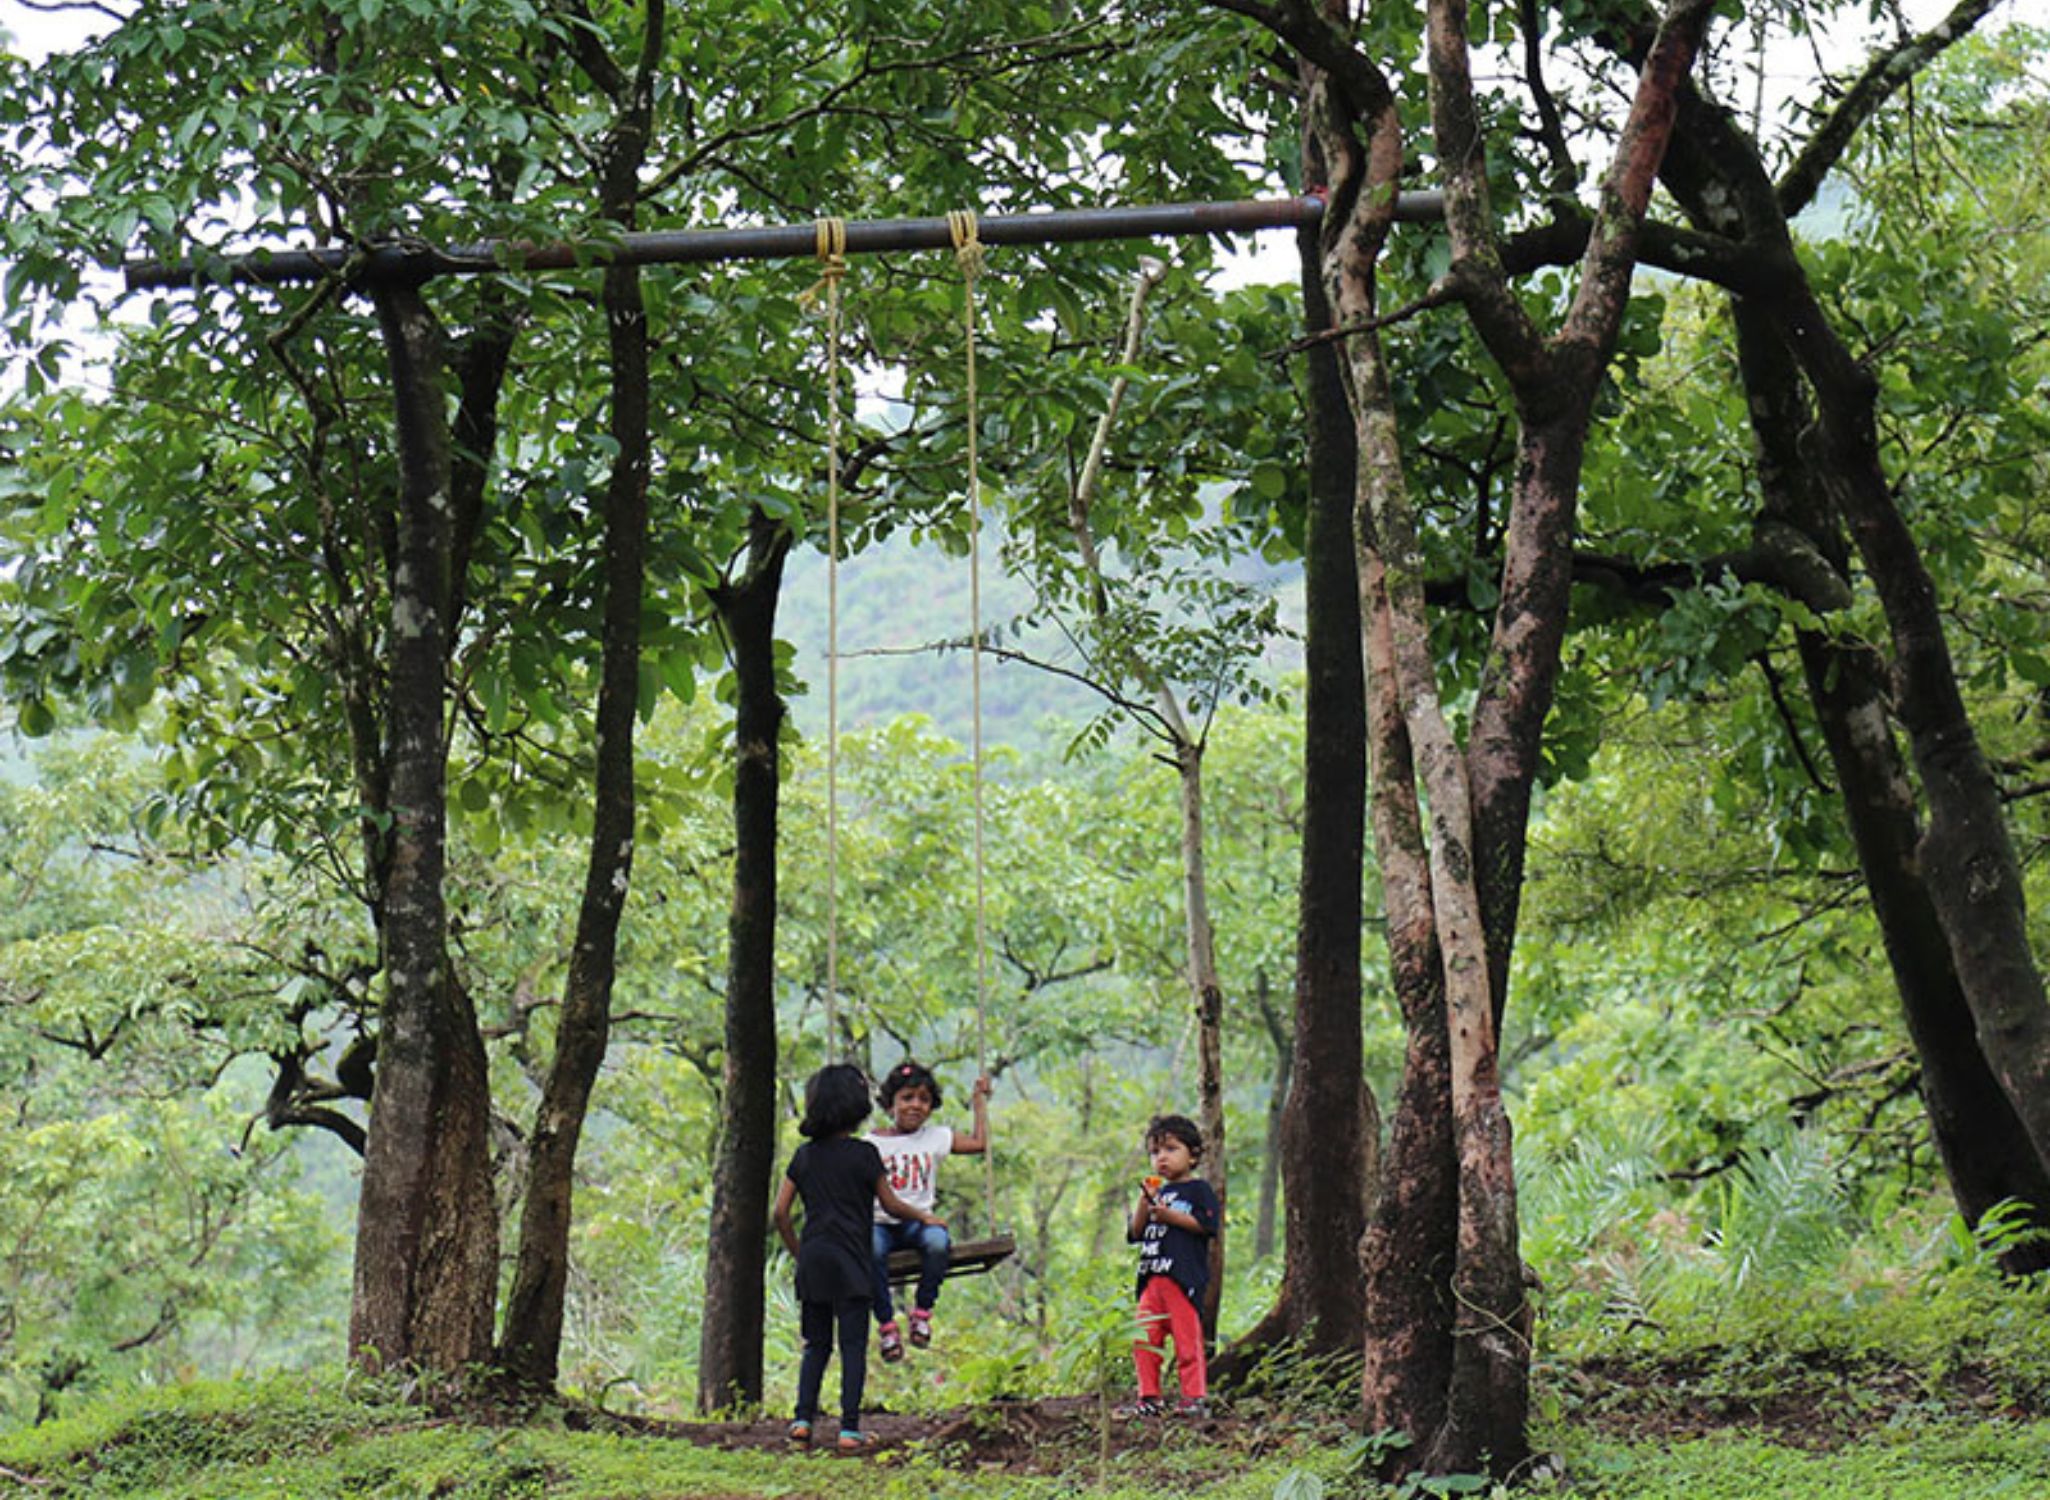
(1640, 1431)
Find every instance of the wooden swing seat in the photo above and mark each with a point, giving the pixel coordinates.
(964, 1258)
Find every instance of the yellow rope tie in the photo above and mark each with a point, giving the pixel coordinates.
(832, 253)
(968, 250)
(968, 253)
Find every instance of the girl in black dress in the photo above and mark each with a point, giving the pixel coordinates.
(841, 1180)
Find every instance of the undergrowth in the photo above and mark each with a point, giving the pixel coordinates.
(312, 1438)
(1764, 1340)
(1941, 1461)
(1776, 1263)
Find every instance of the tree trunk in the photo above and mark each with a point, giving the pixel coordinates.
(534, 1307)
(1487, 1400)
(1505, 744)
(1966, 855)
(1957, 943)
(1411, 1240)
(534, 1310)
(1478, 800)
(1329, 1125)
(1280, 1038)
(1207, 989)
(1986, 1153)
(427, 1225)
(730, 1337)
(1205, 986)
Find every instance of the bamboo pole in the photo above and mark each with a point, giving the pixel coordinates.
(416, 260)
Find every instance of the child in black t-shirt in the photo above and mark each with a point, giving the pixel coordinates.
(841, 1180)
(1172, 1223)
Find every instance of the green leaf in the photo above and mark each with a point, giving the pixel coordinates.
(679, 669)
(1299, 1484)
(35, 719)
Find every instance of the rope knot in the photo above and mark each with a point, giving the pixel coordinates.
(968, 250)
(832, 253)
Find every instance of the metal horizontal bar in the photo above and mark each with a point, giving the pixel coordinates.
(417, 260)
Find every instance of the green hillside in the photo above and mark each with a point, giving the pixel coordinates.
(904, 614)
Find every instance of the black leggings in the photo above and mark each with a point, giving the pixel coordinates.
(816, 1320)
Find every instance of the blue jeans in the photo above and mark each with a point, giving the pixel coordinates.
(932, 1245)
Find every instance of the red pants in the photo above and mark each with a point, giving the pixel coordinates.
(1165, 1308)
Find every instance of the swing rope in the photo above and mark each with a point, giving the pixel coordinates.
(832, 253)
(968, 252)
(832, 256)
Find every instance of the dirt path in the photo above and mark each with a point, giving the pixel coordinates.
(1048, 1436)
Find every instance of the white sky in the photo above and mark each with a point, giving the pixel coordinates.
(35, 34)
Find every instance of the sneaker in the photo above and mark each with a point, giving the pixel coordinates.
(800, 1434)
(1145, 1406)
(921, 1327)
(1194, 1409)
(854, 1442)
(891, 1341)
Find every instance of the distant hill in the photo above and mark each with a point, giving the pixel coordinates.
(901, 597)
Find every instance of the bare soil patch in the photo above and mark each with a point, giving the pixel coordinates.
(1821, 1404)
(1052, 1435)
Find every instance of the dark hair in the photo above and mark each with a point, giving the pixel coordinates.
(835, 1101)
(1178, 1128)
(908, 1075)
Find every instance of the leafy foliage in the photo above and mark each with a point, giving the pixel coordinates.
(1725, 1162)
(149, 1230)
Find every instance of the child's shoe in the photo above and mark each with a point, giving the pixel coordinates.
(1194, 1409)
(921, 1327)
(800, 1434)
(890, 1339)
(855, 1442)
(1145, 1406)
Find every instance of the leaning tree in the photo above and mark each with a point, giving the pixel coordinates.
(1449, 820)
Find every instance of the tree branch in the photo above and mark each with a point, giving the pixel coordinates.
(587, 47)
(1502, 322)
(1884, 76)
(1730, 264)
(321, 1118)
(1565, 177)
(1438, 296)
(1300, 24)
(1612, 247)
(1785, 710)
(1144, 712)
(167, 1319)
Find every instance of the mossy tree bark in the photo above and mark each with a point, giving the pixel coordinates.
(1940, 869)
(1447, 1354)
(1329, 1127)
(730, 1354)
(427, 1228)
(532, 1342)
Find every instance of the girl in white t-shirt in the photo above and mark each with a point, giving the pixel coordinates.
(912, 1150)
